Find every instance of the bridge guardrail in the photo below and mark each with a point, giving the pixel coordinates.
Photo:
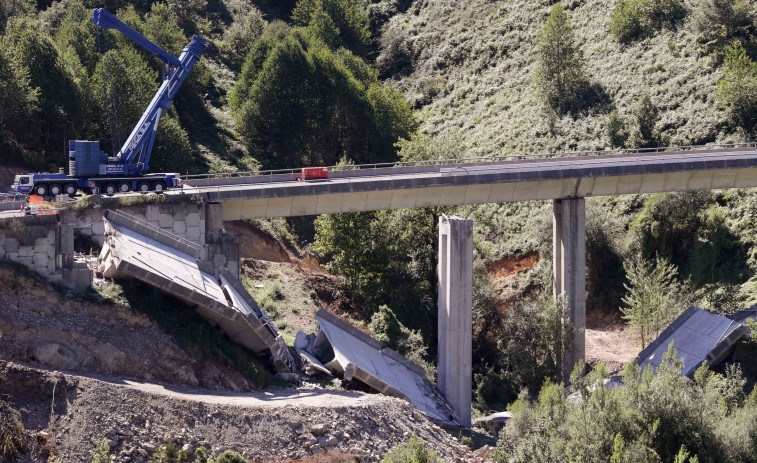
(342, 168)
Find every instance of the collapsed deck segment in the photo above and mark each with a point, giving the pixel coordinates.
(136, 249)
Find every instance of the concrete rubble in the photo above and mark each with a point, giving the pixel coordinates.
(341, 349)
(699, 337)
(493, 423)
(136, 249)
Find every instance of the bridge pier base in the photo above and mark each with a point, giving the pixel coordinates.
(569, 267)
(455, 313)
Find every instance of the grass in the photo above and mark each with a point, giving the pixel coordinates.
(191, 331)
(12, 433)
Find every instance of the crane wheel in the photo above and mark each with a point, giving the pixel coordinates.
(124, 187)
(55, 189)
(40, 190)
(109, 189)
(143, 187)
(70, 189)
(159, 186)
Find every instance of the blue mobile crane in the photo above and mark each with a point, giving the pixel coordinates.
(92, 170)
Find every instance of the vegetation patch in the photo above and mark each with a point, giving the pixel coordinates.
(12, 433)
(192, 332)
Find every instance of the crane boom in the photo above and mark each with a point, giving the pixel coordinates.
(136, 150)
(92, 170)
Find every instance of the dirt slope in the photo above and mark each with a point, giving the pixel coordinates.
(136, 418)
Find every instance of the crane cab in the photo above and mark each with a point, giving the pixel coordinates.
(22, 183)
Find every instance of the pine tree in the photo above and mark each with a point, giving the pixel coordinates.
(560, 71)
(737, 90)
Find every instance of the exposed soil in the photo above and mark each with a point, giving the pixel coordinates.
(66, 414)
(7, 173)
(305, 291)
(608, 339)
(44, 327)
(254, 244)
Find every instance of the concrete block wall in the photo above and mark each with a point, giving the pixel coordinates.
(33, 247)
(186, 220)
(45, 246)
(200, 224)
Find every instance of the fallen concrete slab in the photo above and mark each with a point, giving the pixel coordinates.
(493, 423)
(352, 354)
(699, 337)
(136, 249)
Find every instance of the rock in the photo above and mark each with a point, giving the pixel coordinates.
(112, 443)
(149, 446)
(187, 448)
(53, 356)
(319, 429)
(331, 442)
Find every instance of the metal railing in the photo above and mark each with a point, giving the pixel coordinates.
(431, 162)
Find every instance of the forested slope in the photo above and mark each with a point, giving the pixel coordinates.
(321, 82)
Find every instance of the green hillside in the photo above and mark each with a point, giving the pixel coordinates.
(474, 66)
(325, 82)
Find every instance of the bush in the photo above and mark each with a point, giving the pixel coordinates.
(616, 130)
(230, 456)
(634, 19)
(720, 22)
(12, 433)
(412, 451)
(240, 37)
(646, 116)
(628, 20)
(650, 418)
(385, 327)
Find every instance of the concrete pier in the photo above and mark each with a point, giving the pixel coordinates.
(455, 313)
(569, 270)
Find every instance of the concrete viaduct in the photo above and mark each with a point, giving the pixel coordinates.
(564, 180)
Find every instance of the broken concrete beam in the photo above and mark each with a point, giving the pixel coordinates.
(159, 259)
(698, 336)
(346, 350)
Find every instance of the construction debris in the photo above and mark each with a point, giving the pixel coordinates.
(136, 249)
(343, 350)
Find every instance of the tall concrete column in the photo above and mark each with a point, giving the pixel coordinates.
(455, 313)
(569, 266)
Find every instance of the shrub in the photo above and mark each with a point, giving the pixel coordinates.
(230, 456)
(616, 130)
(650, 418)
(101, 453)
(737, 89)
(646, 116)
(385, 327)
(628, 20)
(720, 22)
(396, 55)
(12, 433)
(240, 37)
(634, 19)
(412, 451)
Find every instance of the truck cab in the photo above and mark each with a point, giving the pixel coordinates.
(22, 184)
